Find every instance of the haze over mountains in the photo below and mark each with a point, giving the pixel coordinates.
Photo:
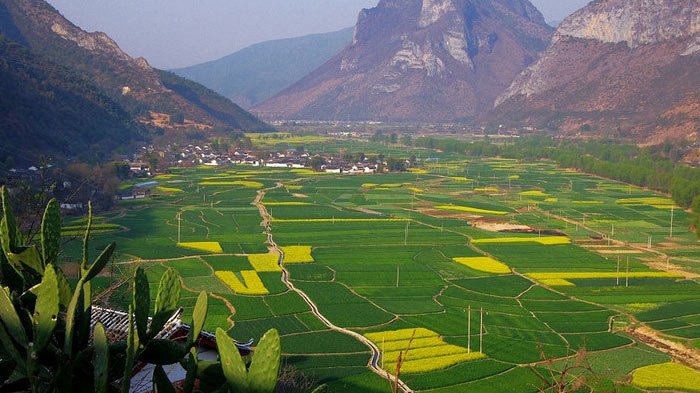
(420, 60)
(70, 92)
(258, 72)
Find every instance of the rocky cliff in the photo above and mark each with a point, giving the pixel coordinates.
(623, 66)
(420, 60)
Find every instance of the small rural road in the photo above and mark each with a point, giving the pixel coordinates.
(373, 364)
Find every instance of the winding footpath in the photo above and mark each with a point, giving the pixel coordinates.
(373, 363)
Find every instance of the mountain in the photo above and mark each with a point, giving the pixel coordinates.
(419, 60)
(45, 108)
(616, 66)
(260, 71)
(74, 90)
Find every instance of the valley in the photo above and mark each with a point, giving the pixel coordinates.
(387, 263)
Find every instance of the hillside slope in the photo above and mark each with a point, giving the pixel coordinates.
(625, 67)
(260, 71)
(93, 93)
(47, 108)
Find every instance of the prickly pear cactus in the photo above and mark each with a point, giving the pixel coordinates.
(231, 362)
(51, 232)
(264, 369)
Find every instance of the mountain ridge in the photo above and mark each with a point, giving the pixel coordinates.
(259, 71)
(419, 60)
(89, 70)
(624, 66)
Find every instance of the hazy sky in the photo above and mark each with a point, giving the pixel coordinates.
(177, 33)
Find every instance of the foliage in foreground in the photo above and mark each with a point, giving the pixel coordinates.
(48, 344)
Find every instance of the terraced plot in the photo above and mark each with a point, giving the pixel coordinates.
(376, 256)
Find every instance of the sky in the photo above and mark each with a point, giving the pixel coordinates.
(179, 33)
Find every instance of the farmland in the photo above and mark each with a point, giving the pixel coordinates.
(480, 269)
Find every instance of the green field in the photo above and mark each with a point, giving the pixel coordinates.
(385, 251)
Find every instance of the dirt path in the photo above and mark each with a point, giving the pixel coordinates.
(373, 363)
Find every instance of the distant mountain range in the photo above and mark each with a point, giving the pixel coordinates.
(420, 60)
(616, 67)
(260, 71)
(68, 92)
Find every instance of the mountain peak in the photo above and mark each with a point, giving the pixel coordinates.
(634, 22)
(420, 60)
(625, 65)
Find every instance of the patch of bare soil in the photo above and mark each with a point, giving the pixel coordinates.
(685, 354)
(499, 226)
(671, 268)
(437, 213)
(300, 195)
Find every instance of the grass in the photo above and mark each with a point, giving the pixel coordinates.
(287, 204)
(667, 376)
(210, 247)
(484, 264)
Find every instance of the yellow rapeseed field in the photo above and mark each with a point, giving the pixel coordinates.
(657, 202)
(264, 262)
(533, 193)
(459, 178)
(212, 247)
(667, 376)
(557, 282)
(428, 351)
(484, 264)
(545, 240)
(287, 204)
(297, 254)
(337, 220)
(470, 210)
(165, 177)
(595, 275)
(418, 171)
(251, 285)
(168, 190)
(486, 189)
(242, 183)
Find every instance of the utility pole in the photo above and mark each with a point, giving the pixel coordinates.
(481, 331)
(613, 230)
(672, 211)
(383, 351)
(405, 236)
(398, 273)
(627, 275)
(179, 224)
(469, 330)
(618, 271)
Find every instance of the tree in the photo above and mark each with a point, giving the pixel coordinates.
(317, 162)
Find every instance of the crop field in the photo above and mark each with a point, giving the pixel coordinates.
(473, 270)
